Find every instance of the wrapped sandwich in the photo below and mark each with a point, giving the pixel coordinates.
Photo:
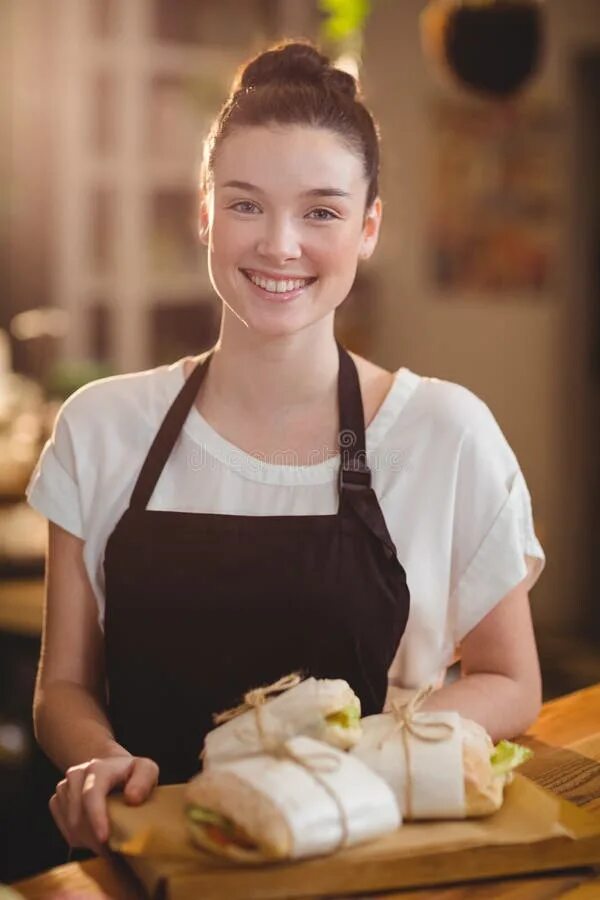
(438, 764)
(325, 709)
(306, 799)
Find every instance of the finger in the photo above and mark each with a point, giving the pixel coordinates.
(81, 836)
(93, 798)
(74, 784)
(101, 777)
(60, 803)
(57, 815)
(143, 778)
(87, 838)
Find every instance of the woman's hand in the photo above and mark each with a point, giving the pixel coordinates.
(79, 804)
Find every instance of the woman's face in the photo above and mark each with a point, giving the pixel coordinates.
(285, 225)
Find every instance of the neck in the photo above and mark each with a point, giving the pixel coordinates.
(267, 376)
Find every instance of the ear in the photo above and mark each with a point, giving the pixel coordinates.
(204, 219)
(370, 231)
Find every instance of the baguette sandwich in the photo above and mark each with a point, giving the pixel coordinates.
(443, 766)
(324, 709)
(269, 807)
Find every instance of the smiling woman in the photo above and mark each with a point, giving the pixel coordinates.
(265, 507)
(285, 238)
(289, 191)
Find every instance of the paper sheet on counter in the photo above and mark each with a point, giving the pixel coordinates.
(157, 828)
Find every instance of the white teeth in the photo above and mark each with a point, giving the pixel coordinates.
(277, 287)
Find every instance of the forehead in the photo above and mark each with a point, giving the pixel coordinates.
(294, 158)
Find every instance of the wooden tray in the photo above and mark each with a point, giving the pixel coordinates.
(535, 831)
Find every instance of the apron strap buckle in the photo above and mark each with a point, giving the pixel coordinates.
(355, 475)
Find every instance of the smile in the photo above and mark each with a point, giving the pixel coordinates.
(279, 285)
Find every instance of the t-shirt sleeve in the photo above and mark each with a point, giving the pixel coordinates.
(53, 488)
(494, 545)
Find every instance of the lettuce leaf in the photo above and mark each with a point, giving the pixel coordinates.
(202, 816)
(346, 717)
(507, 756)
(219, 828)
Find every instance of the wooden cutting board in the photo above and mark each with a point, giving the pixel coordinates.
(534, 832)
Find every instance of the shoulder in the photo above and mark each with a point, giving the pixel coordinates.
(443, 406)
(368, 371)
(451, 406)
(136, 398)
(119, 413)
(375, 384)
(453, 425)
(443, 421)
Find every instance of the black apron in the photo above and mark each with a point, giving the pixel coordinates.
(201, 607)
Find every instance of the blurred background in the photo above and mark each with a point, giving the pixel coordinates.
(487, 272)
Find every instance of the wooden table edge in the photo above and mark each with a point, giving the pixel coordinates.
(101, 875)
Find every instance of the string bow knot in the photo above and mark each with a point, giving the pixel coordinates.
(257, 697)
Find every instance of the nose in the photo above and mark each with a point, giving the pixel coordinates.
(279, 241)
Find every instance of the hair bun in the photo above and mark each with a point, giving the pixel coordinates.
(297, 63)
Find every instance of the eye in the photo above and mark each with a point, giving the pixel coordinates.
(325, 215)
(244, 206)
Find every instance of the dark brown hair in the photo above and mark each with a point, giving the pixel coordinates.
(292, 83)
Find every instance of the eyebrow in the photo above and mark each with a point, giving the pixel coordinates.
(312, 192)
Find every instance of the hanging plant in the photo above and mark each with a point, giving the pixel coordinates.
(343, 25)
(492, 47)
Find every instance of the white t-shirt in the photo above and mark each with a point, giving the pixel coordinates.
(450, 488)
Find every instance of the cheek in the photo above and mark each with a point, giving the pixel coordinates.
(228, 239)
(338, 252)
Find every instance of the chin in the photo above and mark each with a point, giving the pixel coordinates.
(276, 329)
(277, 323)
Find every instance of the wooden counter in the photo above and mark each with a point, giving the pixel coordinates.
(571, 723)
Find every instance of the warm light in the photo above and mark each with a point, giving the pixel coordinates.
(45, 321)
(348, 63)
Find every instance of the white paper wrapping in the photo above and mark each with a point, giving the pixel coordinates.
(313, 816)
(299, 710)
(436, 767)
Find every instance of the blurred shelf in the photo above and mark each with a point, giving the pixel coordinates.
(165, 58)
(193, 22)
(22, 606)
(174, 173)
(22, 569)
(137, 87)
(97, 286)
(167, 287)
(192, 286)
(151, 175)
(569, 662)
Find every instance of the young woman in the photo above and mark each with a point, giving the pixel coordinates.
(266, 507)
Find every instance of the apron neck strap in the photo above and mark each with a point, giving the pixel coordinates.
(354, 472)
(167, 435)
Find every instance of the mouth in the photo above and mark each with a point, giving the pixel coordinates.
(277, 288)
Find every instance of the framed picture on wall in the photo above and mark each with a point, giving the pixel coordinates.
(496, 194)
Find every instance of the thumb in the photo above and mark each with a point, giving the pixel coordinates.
(143, 777)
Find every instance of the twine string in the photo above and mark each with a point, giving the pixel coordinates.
(316, 764)
(406, 724)
(257, 696)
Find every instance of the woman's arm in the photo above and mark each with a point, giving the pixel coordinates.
(500, 685)
(69, 713)
(68, 708)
